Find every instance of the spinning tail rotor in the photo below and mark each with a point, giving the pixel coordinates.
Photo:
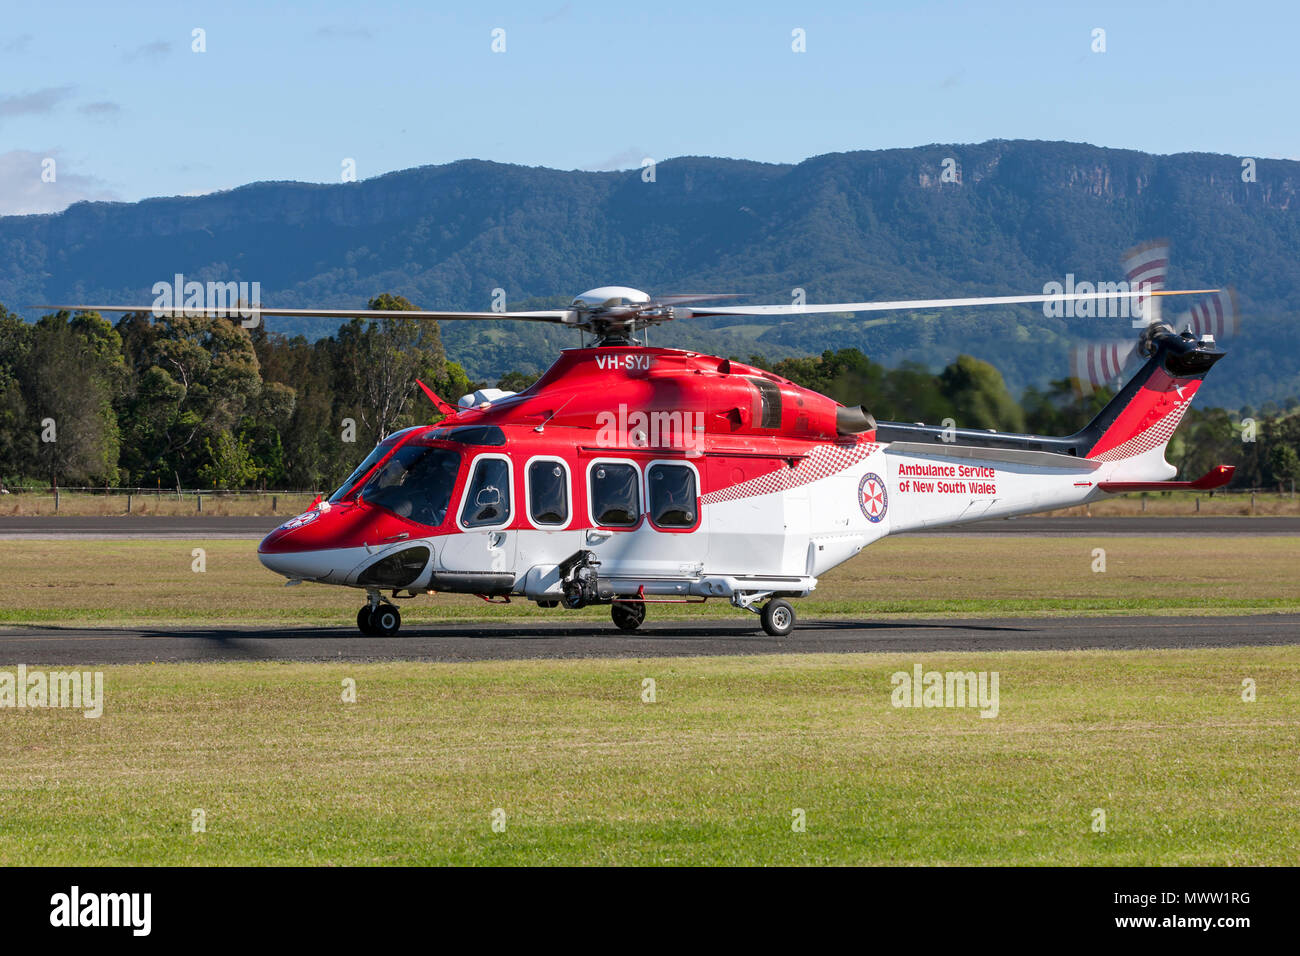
(1146, 266)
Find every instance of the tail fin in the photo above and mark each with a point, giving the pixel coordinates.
(1138, 422)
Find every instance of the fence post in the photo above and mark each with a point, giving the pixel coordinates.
(1144, 504)
(275, 501)
(56, 500)
(1252, 502)
(1198, 504)
(128, 503)
(199, 500)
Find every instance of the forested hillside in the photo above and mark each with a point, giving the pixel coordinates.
(197, 402)
(851, 226)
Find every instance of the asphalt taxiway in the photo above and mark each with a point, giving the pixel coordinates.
(506, 640)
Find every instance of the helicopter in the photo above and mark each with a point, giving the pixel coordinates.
(630, 475)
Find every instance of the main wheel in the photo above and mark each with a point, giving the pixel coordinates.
(628, 615)
(777, 618)
(386, 620)
(363, 621)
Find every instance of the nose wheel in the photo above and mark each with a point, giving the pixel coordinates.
(383, 620)
(777, 618)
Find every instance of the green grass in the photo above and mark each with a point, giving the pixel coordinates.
(150, 582)
(709, 773)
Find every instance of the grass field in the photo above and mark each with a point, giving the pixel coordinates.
(152, 581)
(711, 772)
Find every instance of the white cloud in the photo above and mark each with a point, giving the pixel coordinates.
(23, 191)
(103, 109)
(626, 159)
(149, 51)
(39, 102)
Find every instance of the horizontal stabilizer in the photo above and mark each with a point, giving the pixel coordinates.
(1216, 477)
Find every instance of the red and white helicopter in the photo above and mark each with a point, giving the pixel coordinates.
(629, 475)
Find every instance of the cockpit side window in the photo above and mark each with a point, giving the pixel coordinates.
(416, 483)
(487, 496)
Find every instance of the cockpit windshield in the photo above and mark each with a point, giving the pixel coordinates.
(415, 483)
(342, 493)
(379, 452)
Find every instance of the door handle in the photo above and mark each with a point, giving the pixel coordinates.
(595, 537)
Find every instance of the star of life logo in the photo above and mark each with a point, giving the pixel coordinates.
(302, 519)
(872, 497)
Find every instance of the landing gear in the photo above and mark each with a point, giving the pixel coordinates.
(777, 618)
(363, 621)
(628, 615)
(386, 620)
(382, 620)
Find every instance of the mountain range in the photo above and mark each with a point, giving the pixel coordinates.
(996, 218)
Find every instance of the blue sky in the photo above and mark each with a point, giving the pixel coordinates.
(116, 96)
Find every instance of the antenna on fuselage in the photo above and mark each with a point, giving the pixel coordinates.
(540, 428)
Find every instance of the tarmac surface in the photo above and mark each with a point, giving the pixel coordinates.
(504, 640)
(217, 526)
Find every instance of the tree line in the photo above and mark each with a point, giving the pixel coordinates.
(186, 402)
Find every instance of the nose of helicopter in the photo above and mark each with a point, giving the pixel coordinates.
(306, 547)
(329, 542)
(296, 565)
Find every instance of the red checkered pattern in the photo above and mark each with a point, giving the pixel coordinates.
(822, 462)
(1155, 436)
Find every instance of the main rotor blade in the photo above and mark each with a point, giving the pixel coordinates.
(564, 316)
(686, 298)
(910, 304)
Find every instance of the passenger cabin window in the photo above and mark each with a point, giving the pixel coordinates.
(615, 495)
(671, 493)
(487, 497)
(548, 493)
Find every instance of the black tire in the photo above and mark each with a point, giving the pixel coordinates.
(363, 621)
(628, 615)
(548, 603)
(386, 620)
(777, 618)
